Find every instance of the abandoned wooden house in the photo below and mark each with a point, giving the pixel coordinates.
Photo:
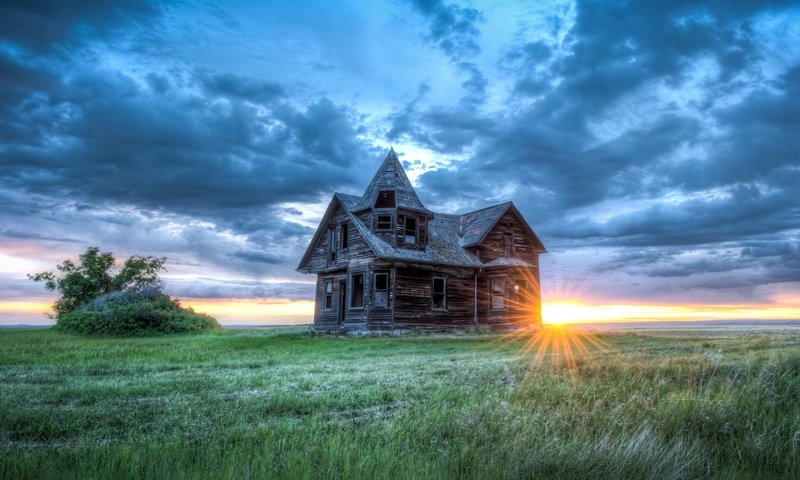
(384, 261)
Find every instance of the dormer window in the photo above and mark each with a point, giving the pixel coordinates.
(410, 230)
(385, 199)
(383, 223)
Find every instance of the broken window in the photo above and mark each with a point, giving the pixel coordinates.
(439, 293)
(498, 294)
(410, 230)
(331, 245)
(345, 232)
(382, 290)
(520, 293)
(385, 199)
(357, 287)
(384, 223)
(327, 302)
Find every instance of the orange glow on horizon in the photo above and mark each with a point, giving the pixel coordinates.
(25, 307)
(556, 312)
(572, 311)
(248, 310)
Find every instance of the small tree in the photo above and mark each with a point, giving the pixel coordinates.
(93, 277)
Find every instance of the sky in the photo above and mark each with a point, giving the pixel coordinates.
(653, 146)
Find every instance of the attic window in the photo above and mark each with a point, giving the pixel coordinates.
(383, 223)
(385, 199)
(508, 244)
(410, 230)
(345, 237)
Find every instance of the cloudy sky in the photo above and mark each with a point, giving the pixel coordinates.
(653, 146)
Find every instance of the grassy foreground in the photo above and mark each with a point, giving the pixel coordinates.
(286, 403)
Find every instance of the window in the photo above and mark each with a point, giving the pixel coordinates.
(344, 243)
(382, 290)
(357, 287)
(384, 223)
(327, 301)
(331, 245)
(498, 298)
(385, 199)
(439, 293)
(508, 244)
(520, 293)
(410, 230)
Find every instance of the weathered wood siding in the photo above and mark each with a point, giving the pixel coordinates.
(414, 298)
(493, 245)
(525, 310)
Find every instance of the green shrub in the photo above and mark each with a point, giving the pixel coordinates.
(135, 312)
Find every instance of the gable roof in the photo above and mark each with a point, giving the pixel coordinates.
(477, 224)
(391, 176)
(347, 202)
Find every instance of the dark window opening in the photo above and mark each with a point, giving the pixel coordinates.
(345, 232)
(410, 230)
(508, 244)
(384, 222)
(382, 290)
(327, 303)
(520, 293)
(357, 287)
(498, 294)
(439, 293)
(385, 199)
(331, 245)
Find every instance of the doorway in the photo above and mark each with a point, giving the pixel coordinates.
(342, 300)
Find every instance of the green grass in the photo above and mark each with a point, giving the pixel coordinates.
(289, 404)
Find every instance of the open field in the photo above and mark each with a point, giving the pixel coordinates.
(287, 403)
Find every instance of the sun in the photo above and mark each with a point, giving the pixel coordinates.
(563, 312)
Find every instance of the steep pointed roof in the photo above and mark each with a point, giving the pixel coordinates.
(391, 176)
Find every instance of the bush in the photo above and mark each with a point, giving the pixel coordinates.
(134, 312)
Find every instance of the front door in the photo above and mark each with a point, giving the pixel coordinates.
(342, 300)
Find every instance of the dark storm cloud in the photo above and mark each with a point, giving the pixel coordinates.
(259, 257)
(41, 24)
(452, 28)
(125, 143)
(17, 234)
(763, 260)
(230, 85)
(120, 159)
